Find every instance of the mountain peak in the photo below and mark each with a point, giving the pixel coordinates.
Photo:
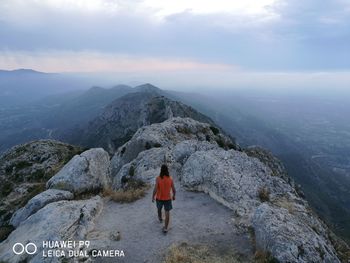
(22, 71)
(147, 87)
(121, 118)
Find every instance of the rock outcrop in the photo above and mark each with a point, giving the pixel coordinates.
(53, 215)
(292, 235)
(86, 172)
(63, 220)
(269, 160)
(38, 202)
(24, 170)
(183, 135)
(255, 187)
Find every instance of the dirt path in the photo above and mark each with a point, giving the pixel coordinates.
(195, 219)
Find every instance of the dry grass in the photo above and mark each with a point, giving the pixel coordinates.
(340, 246)
(130, 194)
(264, 194)
(185, 253)
(260, 256)
(264, 257)
(285, 203)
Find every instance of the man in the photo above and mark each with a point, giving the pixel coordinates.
(162, 193)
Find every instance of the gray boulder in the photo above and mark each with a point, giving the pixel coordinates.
(183, 150)
(146, 165)
(231, 177)
(62, 220)
(38, 202)
(167, 134)
(284, 224)
(86, 172)
(289, 238)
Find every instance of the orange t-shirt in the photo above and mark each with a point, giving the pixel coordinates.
(164, 186)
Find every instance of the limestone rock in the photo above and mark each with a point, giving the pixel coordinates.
(24, 170)
(231, 177)
(86, 172)
(167, 134)
(62, 220)
(38, 202)
(269, 160)
(289, 238)
(284, 225)
(253, 184)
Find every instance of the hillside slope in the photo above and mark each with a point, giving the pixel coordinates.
(24, 170)
(121, 119)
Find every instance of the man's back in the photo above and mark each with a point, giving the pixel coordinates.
(164, 186)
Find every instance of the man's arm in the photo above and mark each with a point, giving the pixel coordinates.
(174, 190)
(155, 190)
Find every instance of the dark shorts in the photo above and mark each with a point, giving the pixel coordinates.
(167, 205)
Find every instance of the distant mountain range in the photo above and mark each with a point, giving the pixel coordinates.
(23, 86)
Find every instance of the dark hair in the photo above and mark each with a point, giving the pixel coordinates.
(164, 171)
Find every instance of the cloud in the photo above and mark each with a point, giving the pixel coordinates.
(89, 61)
(248, 7)
(261, 35)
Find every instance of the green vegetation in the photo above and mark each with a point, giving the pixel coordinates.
(157, 145)
(37, 176)
(5, 231)
(33, 190)
(220, 142)
(131, 171)
(6, 188)
(215, 130)
(22, 164)
(183, 130)
(231, 146)
(148, 146)
(8, 169)
(122, 151)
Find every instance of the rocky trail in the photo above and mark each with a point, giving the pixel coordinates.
(195, 219)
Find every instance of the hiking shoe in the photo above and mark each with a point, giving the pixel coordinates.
(165, 230)
(160, 220)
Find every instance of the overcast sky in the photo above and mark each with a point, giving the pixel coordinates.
(187, 41)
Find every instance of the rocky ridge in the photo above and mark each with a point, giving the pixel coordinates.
(121, 118)
(257, 190)
(263, 199)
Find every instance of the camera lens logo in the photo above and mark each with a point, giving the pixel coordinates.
(29, 248)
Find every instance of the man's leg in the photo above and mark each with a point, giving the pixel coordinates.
(167, 217)
(159, 209)
(167, 207)
(160, 214)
